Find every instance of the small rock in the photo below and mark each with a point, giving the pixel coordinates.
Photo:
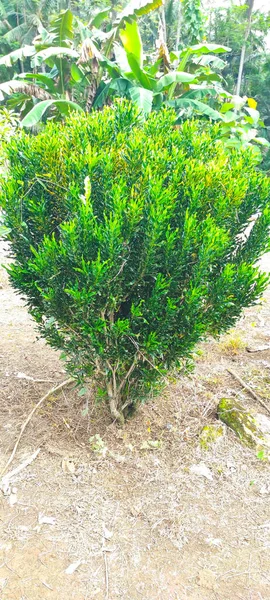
(168, 426)
(252, 429)
(202, 470)
(68, 466)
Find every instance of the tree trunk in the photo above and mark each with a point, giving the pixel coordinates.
(113, 404)
(244, 47)
(178, 30)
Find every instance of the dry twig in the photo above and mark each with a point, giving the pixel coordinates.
(104, 552)
(24, 425)
(258, 348)
(249, 389)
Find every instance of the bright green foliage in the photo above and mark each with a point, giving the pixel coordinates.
(128, 241)
(8, 124)
(193, 20)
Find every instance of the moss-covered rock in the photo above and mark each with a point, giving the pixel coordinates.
(246, 425)
(210, 434)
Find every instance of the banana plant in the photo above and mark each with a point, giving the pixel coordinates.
(67, 65)
(172, 79)
(190, 81)
(35, 92)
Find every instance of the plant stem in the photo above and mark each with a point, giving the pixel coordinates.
(113, 404)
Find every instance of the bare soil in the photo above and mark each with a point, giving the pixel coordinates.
(143, 525)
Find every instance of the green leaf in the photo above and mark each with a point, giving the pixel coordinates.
(147, 82)
(253, 113)
(76, 73)
(153, 69)
(174, 77)
(82, 391)
(261, 455)
(209, 59)
(137, 8)
(131, 40)
(121, 85)
(101, 96)
(100, 17)
(200, 107)
(205, 48)
(230, 116)
(4, 231)
(142, 97)
(35, 115)
(112, 67)
(199, 92)
(20, 54)
(226, 106)
(198, 50)
(121, 58)
(62, 28)
(262, 141)
(44, 55)
(39, 77)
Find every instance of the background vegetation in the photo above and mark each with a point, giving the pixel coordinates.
(68, 55)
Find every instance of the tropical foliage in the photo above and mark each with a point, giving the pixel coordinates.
(86, 55)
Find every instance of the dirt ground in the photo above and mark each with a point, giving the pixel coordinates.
(138, 520)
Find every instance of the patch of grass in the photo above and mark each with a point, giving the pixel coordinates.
(213, 380)
(209, 435)
(232, 344)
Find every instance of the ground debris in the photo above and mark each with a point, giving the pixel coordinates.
(73, 567)
(44, 520)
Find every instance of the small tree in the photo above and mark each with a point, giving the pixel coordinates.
(129, 242)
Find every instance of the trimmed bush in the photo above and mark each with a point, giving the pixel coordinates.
(129, 242)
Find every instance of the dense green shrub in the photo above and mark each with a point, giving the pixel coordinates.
(129, 243)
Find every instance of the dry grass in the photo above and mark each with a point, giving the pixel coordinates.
(232, 343)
